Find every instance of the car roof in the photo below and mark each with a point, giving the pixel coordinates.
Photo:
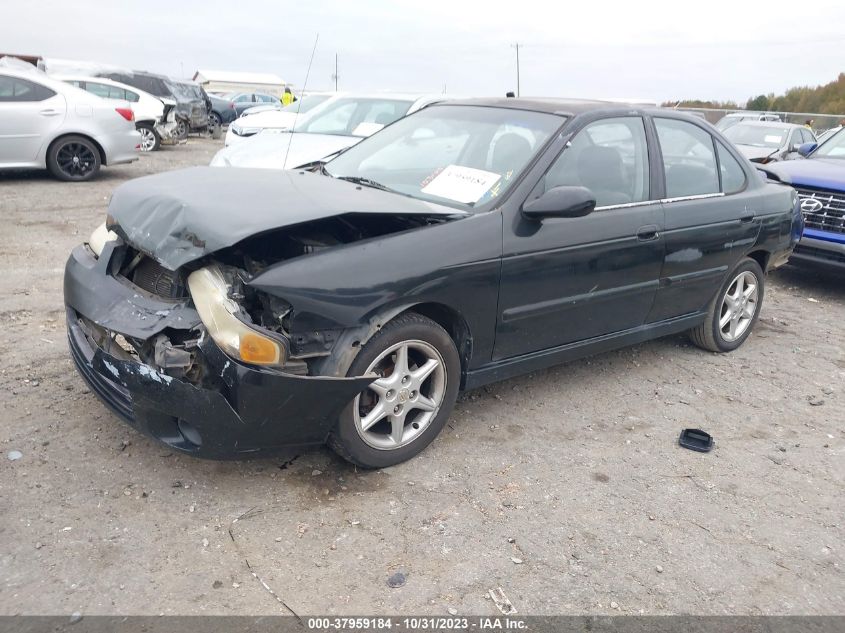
(99, 80)
(565, 107)
(769, 124)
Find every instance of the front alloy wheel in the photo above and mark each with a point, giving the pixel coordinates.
(418, 374)
(400, 405)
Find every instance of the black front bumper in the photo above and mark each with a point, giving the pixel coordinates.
(239, 411)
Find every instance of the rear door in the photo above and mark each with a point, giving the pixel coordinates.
(711, 218)
(572, 279)
(29, 113)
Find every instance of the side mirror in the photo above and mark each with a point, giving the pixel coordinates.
(561, 202)
(806, 149)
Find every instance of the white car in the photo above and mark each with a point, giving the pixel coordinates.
(264, 117)
(45, 122)
(329, 128)
(155, 117)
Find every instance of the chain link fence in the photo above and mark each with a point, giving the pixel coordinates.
(820, 122)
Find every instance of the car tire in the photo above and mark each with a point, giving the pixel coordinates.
(150, 139)
(734, 310)
(182, 130)
(406, 409)
(215, 125)
(73, 158)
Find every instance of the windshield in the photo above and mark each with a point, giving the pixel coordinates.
(354, 117)
(460, 156)
(757, 135)
(834, 147)
(305, 104)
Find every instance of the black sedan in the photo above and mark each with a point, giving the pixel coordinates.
(234, 312)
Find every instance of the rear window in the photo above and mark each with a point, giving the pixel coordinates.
(17, 89)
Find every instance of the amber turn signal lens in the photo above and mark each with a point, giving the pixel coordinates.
(257, 349)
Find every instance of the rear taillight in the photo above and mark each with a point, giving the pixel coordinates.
(126, 113)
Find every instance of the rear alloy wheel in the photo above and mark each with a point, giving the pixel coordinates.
(403, 410)
(150, 140)
(734, 311)
(73, 158)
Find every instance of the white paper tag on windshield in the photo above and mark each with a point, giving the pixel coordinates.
(461, 184)
(772, 139)
(366, 129)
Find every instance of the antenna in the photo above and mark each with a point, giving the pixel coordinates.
(302, 92)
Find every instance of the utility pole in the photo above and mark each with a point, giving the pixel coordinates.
(516, 46)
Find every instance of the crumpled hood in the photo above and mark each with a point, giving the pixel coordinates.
(822, 173)
(180, 216)
(267, 150)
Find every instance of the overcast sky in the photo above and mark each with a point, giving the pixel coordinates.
(645, 50)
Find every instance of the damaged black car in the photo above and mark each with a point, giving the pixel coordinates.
(237, 312)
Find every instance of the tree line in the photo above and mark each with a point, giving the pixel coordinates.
(826, 99)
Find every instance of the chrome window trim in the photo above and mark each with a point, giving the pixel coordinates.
(628, 205)
(701, 196)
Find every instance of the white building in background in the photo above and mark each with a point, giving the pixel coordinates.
(228, 81)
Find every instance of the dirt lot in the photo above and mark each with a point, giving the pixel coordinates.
(566, 487)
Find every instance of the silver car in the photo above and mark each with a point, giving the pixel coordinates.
(767, 142)
(48, 123)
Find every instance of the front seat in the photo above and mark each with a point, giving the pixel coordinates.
(510, 153)
(600, 170)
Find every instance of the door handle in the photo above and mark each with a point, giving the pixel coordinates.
(49, 112)
(648, 233)
(746, 219)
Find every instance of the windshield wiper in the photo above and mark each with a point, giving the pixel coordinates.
(360, 180)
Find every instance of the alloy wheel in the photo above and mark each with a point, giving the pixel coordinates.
(739, 305)
(75, 160)
(148, 139)
(402, 402)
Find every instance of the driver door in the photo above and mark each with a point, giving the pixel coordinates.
(566, 280)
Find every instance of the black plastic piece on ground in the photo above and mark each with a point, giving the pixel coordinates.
(696, 440)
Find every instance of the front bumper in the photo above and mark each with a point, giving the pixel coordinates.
(236, 411)
(820, 248)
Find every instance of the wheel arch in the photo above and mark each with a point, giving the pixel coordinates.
(453, 322)
(761, 256)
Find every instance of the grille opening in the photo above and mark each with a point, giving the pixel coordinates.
(150, 276)
(822, 210)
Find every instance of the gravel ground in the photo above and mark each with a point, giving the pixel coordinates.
(566, 488)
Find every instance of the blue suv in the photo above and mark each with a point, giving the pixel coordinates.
(820, 183)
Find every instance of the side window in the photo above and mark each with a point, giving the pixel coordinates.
(131, 97)
(808, 136)
(609, 157)
(689, 161)
(733, 175)
(797, 138)
(20, 90)
(101, 90)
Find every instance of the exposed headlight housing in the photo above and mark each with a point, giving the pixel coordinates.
(220, 315)
(99, 237)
